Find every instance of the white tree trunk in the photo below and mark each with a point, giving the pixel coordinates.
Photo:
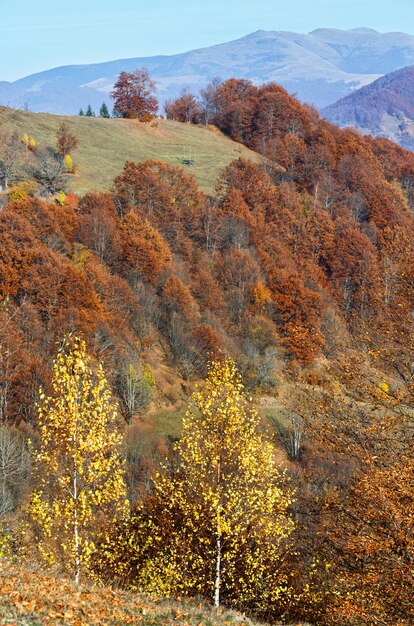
(75, 510)
(218, 560)
(75, 525)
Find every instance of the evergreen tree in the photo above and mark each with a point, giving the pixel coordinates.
(103, 111)
(79, 475)
(81, 113)
(116, 113)
(89, 112)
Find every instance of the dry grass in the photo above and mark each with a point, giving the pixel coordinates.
(29, 598)
(105, 145)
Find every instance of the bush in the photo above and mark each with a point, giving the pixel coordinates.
(23, 190)
(68, 164)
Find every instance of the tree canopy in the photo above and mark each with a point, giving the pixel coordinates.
(78, 471)
(133, 95)
(216, 521)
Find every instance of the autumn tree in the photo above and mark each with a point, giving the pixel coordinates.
(355, 271)
(49, 171)
(180, 315)
(78, 472)
(208, 100)
(65, 140)
(11, 157)
(14, 468)
(133, 95)
(185, 108)
(216, 520)
(234, 101)
(97, 213)
(238, 273)
(359, 495)
(144, 253)
(10, 355)
(165, 195)
(134, 384)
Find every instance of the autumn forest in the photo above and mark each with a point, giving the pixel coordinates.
(271, 322)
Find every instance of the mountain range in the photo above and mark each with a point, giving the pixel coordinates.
(320, 68)
(385, 108)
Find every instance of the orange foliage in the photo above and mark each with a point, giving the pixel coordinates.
(321, 229)
(178, 299)
(262, 296)
(143, 251)
(209, 341)
(133, 95)
(163, 194)
(183, 109)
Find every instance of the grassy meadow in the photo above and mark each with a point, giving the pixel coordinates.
(105, 144)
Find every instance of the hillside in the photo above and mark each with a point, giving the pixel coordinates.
(277, 270)
(105, 145)
(300, 268)
(320, 67)
(384, 108)
(27, 597)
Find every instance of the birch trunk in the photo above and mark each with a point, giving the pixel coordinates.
(218, 538)
(75, 525)
(218, 561)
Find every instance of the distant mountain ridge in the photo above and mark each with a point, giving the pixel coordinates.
(320, 68)
(384, 108)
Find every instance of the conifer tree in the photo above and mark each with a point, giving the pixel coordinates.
(78, 471)
(103, 111)
(81, 113)
(216, 522)
(89, 112)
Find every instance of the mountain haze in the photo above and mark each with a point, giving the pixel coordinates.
(320, 67)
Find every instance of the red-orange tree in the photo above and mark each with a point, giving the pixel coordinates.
(133, 94)
(65, 140)
(362, 468)
(185, 108)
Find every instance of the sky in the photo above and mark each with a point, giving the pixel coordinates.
(36, 35)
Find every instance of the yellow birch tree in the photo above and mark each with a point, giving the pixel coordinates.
(217, 518)
(78, 471)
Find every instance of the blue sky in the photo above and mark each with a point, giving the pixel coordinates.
(39, 34)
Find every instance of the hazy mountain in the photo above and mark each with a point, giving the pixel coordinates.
(320, 67)
(383, 108)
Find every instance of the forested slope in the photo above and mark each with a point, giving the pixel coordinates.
(300, 267)
(288, 262)
(384, 108)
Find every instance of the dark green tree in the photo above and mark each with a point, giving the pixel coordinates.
(89, 112)
(103, 111)
(81, 113)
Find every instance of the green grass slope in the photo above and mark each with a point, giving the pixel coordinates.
(105, 145)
